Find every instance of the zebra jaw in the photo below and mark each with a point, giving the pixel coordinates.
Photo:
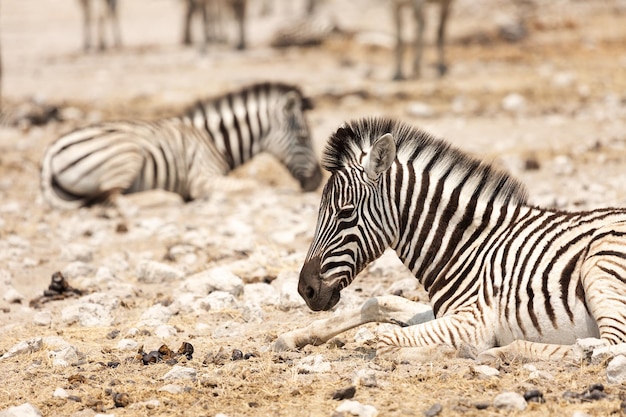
(313, 290)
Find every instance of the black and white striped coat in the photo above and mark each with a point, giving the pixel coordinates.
(499, 272)
(183, 154)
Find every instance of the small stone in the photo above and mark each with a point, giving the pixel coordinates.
(510, 401)
(65, 356)
(604, 352)
(514, 103)
(87, 315)
(312, 364)
(12, 296)
(127, 344)
(181, 372)
(42, 318)
(217, 300)
(24, 410)
(534, 395)
(60, 393)
(420, 109)
(616, 370)
(365, 378)
(172, 389)
(155, 272)
(154, 316)
(485, 371)
(344, 393)
(434, 410)
(25, 346)
(165, 331)
(121, 399)
(216, 279)
(355, 408)
(261, 293)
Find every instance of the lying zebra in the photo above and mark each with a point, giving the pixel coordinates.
(184, 154)
(503, 277)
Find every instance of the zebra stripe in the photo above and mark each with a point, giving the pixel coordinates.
(497, 270)
(182, 154)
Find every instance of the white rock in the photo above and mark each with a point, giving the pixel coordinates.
(486, 371)
(77, 269)
(180, 372)
(355, 408)
(580, 414)
(365, 377)
(150, 405)
(11, 295)
(171, 388)
(312, 364)
(616, 370)
(65, 356)
(165, 331)
(363, 335)
(87, 315)
(217, 300)
(60, 393)
(228, 329)
(156, 272)
(252, 313)
(127, 344)
(24, 410)
(261, 293)
(535, 374)
(26, 346)
(76, 252)
(289, 297)
(42, 318)
(584, 348)
(513, 103)
(154, 316)
(216, 279)
(510, 401)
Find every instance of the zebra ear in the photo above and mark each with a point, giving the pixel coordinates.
(380, 157)
(291, 100)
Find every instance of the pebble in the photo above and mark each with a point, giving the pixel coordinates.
(604, 352)
(312, 365)
(365, 377)
(13, 296)
(510, 401)
(87, 315)
(77, 252)
(215, 279)
(172, 389)
(261, 293)
(485, 371)
(616, 370)
(24, 410)
(217, 300)
(65, 356)
(156, 315)
(434, 410)
(585, 348)
(420, 109)
(26, 346)
(127, 344)
(60, 393)
(42, 318)
(181, 372)
(355, 408)
(77, 269)
(153, 272)
(165, 331)
(514, 103)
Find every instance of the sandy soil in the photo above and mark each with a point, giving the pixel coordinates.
(554, 101)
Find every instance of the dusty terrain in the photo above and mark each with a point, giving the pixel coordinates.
(550, 108)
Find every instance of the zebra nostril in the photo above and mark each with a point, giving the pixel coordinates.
(309, 292)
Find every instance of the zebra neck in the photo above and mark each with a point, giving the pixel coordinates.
(438, 224)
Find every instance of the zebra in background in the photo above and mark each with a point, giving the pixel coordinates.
(104, 10)
(417, 9)
(184, 154)
(502, 276)
(212, 13)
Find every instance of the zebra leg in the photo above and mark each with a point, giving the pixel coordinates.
(430, 340)
(524, 350)
(397, 14)
(441, 36)
(86, 6)
(115, 23)
(603, 280)
(384, 309)
(418, 42)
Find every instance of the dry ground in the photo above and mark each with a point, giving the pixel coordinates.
(570, 70)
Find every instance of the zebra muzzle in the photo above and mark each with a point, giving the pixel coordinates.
(318, 296)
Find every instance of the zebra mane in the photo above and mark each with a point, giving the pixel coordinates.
(346, 145)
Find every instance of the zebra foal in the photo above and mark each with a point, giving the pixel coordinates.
(503, 277)
(186, 154)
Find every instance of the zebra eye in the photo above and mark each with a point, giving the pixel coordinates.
(345, 211)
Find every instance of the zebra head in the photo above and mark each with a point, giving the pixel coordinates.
(289, 138)
(353, 227)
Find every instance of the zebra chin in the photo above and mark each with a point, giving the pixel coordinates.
(313, 290)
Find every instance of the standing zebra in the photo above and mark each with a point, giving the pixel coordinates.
(502, 276)
(104, 10)
(183, 154)
(417, 9)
